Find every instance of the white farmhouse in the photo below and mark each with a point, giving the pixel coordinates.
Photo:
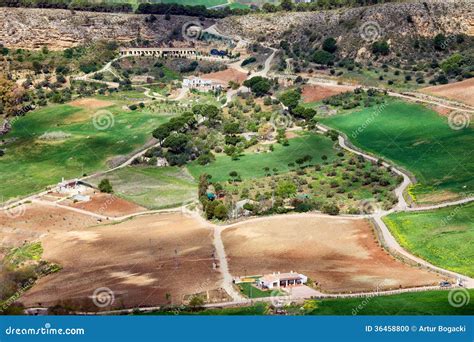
(200, 84)
(275, 280)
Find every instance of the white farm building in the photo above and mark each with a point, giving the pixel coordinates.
(275, 280)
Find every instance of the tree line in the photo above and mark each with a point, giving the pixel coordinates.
(70, 5)
(195, 11)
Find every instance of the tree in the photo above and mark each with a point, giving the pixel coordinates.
(330, 208)
(259, 85)
(220, 211)
(269, 8)
(381, 48)
(196, 302)
(11, 97)
(105, 186)
(303, 113)
(439, 42)
(206, 158)
(212, 113)
(162, 132)
(176, 142)
(210, 208)
(329, 45)
(286, 5)
(323, 57)
(290, 98)
(234, 175)
(286, 189)
(453, 64)
(232, 128)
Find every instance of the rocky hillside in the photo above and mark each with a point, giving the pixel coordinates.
(59, 29)
(356, 27)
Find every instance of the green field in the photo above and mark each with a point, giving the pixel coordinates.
(418, 139)
(32, 162)
(418, 303)
(444, 237)
(207, 3)
(250, 291)
(152, 187)
(253, 310)
(422, 303)
(250, 165)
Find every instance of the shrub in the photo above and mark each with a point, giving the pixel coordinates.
(330, 208)
(323, 57)
(105, 186)
(220, 211)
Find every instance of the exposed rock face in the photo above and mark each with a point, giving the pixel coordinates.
(392, 21)
(59, 29)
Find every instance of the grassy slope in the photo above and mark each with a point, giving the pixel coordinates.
(31, 164)
(151, 187)
(444, 237)
(420, 303)
(418, 139)
(251, 165)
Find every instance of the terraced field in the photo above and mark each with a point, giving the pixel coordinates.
(418, 139)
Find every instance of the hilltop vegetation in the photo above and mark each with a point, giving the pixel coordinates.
(402, 45)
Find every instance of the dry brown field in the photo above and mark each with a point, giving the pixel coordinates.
(146, 261)
(339, 254)
(460, 91)
(313, 93)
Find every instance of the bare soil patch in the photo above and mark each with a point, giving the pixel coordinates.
(459, 91)
(339, 254)
(31, 222)
(90, 103)
(443, 111)
(437, 197)
(225, 76)
(108, 205)
(139, 260)
(314, 93)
